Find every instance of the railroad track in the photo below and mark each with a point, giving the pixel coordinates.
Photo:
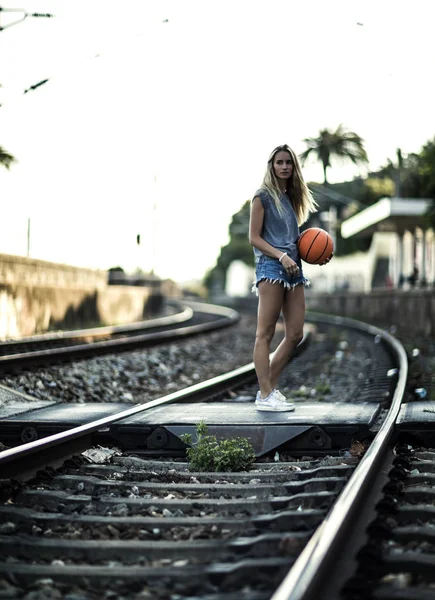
(112, 504)
(397, 560)
(50, 348)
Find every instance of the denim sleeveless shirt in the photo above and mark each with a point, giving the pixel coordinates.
(280, 231)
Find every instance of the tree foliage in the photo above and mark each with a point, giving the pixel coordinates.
(414, 175)
(238, 248)
(6, 159)
(340, 144)
(427, 169)
(411, 176)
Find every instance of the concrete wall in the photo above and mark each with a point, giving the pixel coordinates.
(34, 272)
(37, 296)
(28, 310)
(413, 309)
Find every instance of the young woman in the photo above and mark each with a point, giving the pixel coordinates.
(282, 203)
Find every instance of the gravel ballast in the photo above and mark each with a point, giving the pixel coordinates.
(140, 375)
(333, 368)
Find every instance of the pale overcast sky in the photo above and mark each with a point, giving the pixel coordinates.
(181, 108)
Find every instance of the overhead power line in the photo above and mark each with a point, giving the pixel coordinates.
(24, 13)
(334, 195)
(36, 85)
(46, 80)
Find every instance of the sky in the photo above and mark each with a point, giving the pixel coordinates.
(159, 116)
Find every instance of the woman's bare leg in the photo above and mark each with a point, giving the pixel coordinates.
(271, 296)
(293, 312)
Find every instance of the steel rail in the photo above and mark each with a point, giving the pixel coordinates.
(180, 317)
(307, 575)
(14, 459)
(23, 461)
(228, 317)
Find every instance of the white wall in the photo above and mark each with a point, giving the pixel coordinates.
(354, 271)
(240, 278)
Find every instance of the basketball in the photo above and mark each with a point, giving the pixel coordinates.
(315, 245)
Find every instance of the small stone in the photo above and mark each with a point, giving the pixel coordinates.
(44, 582)
(113, 531)
(57, 563)
(7, 527)
(398, 580)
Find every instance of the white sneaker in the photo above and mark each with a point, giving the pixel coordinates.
(274, 402)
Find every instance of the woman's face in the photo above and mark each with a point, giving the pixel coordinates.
(283, 165)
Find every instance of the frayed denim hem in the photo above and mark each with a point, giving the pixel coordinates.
(286, 284)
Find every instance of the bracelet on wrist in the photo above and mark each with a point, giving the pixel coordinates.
(282, 256)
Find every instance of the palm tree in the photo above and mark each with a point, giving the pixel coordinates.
(341, 144)
(6, 159)
(396, 171)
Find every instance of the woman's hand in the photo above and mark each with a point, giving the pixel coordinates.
(327, 260)
(290, 266)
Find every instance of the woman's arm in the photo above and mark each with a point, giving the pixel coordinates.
(255, 228)
(255, 239)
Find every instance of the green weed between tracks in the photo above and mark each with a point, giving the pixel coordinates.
(209, 454)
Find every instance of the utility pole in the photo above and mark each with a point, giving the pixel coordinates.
(154, 229)
(28, 237)
(332, 218)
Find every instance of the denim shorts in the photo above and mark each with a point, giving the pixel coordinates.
(271, 270)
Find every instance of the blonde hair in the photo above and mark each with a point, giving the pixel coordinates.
(297, 190)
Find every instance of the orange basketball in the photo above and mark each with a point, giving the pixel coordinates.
(315, 245)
